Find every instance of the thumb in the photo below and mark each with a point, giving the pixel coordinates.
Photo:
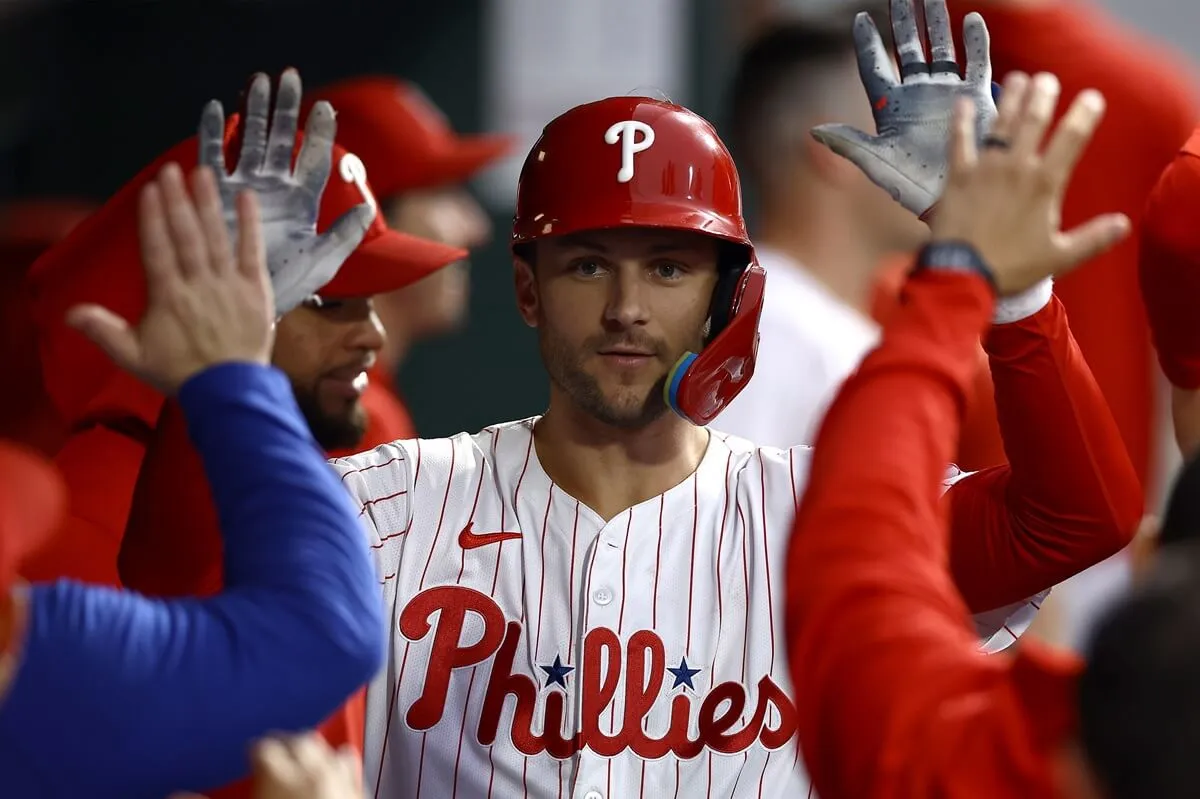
(331, 250)
(1096, 236)
(848, 142)
(110, 333)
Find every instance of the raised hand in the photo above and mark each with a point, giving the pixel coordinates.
(913, 110)
(1005, 199)
(206, 303)
(299, 260)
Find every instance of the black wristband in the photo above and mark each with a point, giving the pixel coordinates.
(954, 256)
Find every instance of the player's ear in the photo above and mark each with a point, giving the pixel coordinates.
(525, 283)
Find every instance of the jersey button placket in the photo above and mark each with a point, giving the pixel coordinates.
(604, 611)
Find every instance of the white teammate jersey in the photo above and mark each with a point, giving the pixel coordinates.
(538, 651)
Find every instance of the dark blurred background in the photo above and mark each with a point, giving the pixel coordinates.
(93, 89)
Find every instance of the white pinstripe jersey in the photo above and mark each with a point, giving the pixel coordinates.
(538, 651)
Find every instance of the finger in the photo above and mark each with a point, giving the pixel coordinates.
(254, 126)
(977, 44)
(1096, 236)
(908, 39)
(1032, 124)
(110, 333)
(351, 765)
(212, 219)
(1008, 109)
(158, 252)
(271, 758)
(212, 137)
(874, 65)
(282, 141)
(311, 753)
(187, 240)
(1072, 135)
(941, 42)
(847, 141)
(316, 154)
(251, 247)
(963, 154)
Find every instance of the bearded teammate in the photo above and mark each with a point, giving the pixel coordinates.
(589, 602)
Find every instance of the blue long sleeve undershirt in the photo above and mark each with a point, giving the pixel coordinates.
(123, 696)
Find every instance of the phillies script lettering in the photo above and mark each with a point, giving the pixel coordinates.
(642, 659)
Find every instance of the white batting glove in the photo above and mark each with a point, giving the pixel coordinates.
(298, 259)
(912, 116)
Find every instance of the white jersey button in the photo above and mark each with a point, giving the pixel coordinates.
(593, 795)
(602, 596)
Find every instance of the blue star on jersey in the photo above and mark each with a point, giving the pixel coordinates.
(556, 673)
(683, 675)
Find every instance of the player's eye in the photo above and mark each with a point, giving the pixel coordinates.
(587, 267)
(669, 270)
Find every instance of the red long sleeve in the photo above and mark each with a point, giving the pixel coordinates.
(898, 703)
(1151, 110)
(1069, 497)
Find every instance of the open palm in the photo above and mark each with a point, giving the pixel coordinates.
(907, 157)
(299, 260)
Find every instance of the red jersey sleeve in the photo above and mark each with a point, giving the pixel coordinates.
(898, 702)
(1069, 496)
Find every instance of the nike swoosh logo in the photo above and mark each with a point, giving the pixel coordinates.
(469, 539)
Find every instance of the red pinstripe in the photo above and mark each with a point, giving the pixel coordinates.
(687, 647)
(537, 644)
(662, 501)
(624, 558)
(571, 593)
(387, 727)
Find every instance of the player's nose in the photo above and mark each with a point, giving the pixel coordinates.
(626, 305)
(367, 334)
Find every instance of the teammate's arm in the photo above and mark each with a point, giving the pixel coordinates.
(899, 703)
(1069, 496)
(142, 697)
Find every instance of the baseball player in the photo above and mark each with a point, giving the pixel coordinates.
(126, 696)
(418, 165)
(590, 602)
(901, 706)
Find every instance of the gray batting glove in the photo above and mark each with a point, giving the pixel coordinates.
(907, 158)
(298, 259)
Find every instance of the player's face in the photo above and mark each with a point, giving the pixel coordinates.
(614, 310)
(325, 350)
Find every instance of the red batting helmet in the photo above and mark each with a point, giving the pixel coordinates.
(641, 162)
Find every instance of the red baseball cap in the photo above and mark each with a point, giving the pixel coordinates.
(100, 262)
(402, 137)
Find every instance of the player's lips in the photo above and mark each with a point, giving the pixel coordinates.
(626, 357)
(349, 382)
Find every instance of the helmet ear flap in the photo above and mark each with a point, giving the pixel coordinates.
(701, 385)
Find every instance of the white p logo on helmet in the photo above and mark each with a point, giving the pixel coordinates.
(626, 133)
(353, 170)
